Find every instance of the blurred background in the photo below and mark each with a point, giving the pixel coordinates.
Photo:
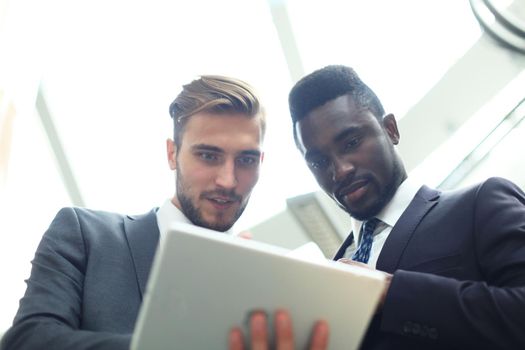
(85, 88)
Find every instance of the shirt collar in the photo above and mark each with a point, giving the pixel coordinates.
(169, 213)
(397, 205)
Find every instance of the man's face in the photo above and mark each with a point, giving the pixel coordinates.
(351, 155)
(217, 166)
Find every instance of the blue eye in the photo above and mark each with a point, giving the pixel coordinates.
(208, 156)
(247, 161)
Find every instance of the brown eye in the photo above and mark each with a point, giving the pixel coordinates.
(352, 143)
(317, 164)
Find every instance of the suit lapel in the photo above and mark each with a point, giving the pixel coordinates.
(347, 243)
(143, 235)
(405, 227)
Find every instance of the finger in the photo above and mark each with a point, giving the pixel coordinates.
(345, 260)
(283, 331)
(259, 331)
(246, 235)
(320, 336)
(354, 263)
(235, 339)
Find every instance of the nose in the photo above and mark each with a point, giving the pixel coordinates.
(341, 168)
(226, 177)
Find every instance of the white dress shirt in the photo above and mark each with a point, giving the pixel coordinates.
(169, 213)
(389, 216)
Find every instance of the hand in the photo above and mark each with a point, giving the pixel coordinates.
(388, 278)
(283, 333)
(245, 235)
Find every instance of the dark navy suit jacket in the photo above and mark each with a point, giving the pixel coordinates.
(87, 281)
(458, 265)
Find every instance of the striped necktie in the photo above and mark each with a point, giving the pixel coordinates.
(362, 254)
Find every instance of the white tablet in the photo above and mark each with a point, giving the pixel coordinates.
(205, 282)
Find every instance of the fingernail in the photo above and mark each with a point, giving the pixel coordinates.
(281, 319)
(258, 321)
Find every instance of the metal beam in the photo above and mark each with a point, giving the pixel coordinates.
(60, 155)
(282, 24)
(484, 70)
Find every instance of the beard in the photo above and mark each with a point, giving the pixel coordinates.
(385, 195)
(194, 214)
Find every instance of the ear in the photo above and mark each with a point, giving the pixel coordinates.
(171, 152)
(262, 157)
(390, 126)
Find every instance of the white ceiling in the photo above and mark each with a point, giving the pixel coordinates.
(111, 68)
(108, 70)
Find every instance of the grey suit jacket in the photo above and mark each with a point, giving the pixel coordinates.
(458, 264)
(86, 285)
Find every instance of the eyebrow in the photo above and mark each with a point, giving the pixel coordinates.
(346, 132)
(251, 152)
(205, 147)
(338, 138)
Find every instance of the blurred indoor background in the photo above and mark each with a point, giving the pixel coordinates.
(85, 88)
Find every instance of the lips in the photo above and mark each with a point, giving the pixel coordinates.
(354, 191)
(221, 202)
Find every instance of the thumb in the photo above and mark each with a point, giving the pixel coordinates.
(353, 262)
(245, 235)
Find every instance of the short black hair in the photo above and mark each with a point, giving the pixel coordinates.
(326, 84)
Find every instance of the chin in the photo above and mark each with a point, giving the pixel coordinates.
(366, 212)
(361, 216)
(223, 225)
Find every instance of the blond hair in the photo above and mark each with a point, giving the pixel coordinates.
(216, 95)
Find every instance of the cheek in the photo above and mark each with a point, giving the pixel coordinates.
(247, 179)
(382, 162)
(195, 176)
(324, 181)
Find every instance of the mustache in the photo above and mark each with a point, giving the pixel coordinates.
(347, 182)
(226, 194)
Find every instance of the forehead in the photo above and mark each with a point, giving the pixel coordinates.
(227, 131)
(324, 124)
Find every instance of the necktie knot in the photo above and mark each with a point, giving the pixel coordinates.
(362, 254)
